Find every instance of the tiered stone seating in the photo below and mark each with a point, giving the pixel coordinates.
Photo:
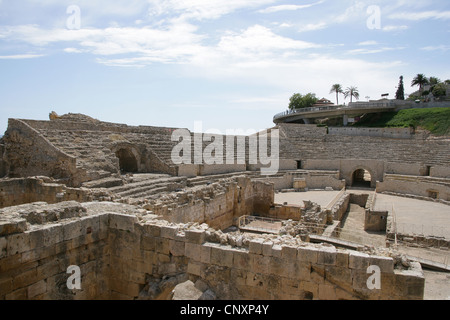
(304, 144)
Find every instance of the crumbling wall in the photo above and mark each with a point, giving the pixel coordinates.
(219, 204)
(18, 191)
(258, 269)
(119, 249)
(3, 164)
(28, 153)
(438, 188)
(38, 246)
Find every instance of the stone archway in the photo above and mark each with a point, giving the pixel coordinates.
(361, 178)
(127, 160)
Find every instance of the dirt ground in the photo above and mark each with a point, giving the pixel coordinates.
(437, 285)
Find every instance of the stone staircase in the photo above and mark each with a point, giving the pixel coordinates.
(148, 188)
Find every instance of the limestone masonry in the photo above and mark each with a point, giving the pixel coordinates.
(107, 198)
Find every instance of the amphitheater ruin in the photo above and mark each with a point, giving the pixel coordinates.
(353, 213)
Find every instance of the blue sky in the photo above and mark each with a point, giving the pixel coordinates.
(232, 64)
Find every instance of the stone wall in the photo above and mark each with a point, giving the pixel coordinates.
(3, 165)
(313, 179)
(414, 185)
(34, 258)
(396, 133)
(18, 191)
(120, 249)
(28, 153)
(219, 204)
(306, 143)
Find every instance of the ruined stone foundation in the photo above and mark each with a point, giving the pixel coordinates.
(124, 253)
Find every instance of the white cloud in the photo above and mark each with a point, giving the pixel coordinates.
(201, 9)
(416, 16)
(313, 27)
(288, 7)
(391, 28)
(159, 44)
(21, 56)
(358, 9)
(436, 48)
(368, 43)
(259, 39)
(372, 51)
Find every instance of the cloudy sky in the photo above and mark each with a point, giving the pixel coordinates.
(231, 64)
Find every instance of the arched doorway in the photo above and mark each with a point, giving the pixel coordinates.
(361, 178)
(127, 160)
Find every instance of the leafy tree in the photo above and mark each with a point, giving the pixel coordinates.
(421, 81)
(434, 81)
(298, 101)
(440, 90)
(447, 81)
(337, 88)
(351, 92)
(400, 95)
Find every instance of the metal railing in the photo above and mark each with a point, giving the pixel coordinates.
(245, 221)
(352, 105)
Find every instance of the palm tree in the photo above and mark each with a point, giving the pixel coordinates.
(351, 92)
(338, 89)
(434, 81)
(420, 80)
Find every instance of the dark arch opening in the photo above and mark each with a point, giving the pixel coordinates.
(361, 178)
(127, 161)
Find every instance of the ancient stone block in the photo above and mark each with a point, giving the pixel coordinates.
(259, 263)
(177, 248)
(36, 289)
(5, 286)
(162, 245)
(17, 243)
(205, 254)
(358, 260)
(169, 232)
(193, 251)
(342, 259)
(3, 246)
(308, 254)
(267, 248)
(289, 253)
(327, 256)
(327, 292)
(71, 230)
(386, 264)
(148, 243)
(195, 236)
(276, 251)
(122, 221)
(221, 256)
(255, 246)
(12, 226)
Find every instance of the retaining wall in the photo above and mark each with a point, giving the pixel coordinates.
(117, 253)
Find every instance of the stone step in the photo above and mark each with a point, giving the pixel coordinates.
(131, 188)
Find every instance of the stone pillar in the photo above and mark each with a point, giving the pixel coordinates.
(345, 120)
(307, 121)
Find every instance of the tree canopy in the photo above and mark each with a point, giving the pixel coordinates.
(299, 101)
(352, 92)
(439, 90)
(337, 88)
(420, 80)
(400, 94)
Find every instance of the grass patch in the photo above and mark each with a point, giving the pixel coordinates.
(435, 120)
